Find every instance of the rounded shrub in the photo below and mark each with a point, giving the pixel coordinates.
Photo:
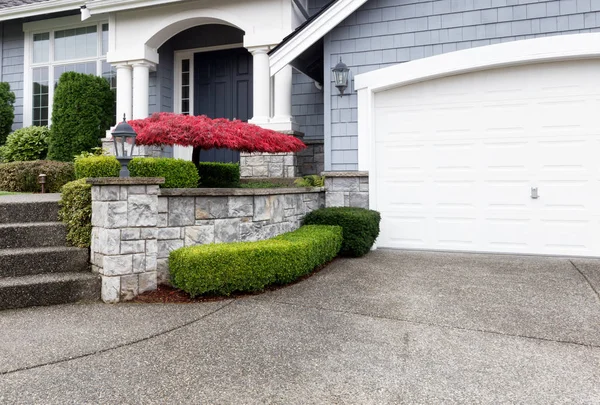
(360, 227)
(220, 175)
(22, 177)
(76, 212)
(81, 114)
(97, 166)
(26, 144)
(7, 111)
(251, 266)
(178, 173)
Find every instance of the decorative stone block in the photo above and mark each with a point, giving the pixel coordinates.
(143, 210)
(240, 206)
(260, 171)
(269, 208)
(211, 207)
(181, 211)
(227, 230)
(169, 233)
(250, 231)
(163, 220)
(137, 190)
(199, 235)
(133, 246)
(130, 233)
(335, 199)
(166, 246)
(152, 190)
(151, 262)
(139, 263)
(123, 193)
(117, 265)
(359, 200)
(345, 184)
(276, 170)
(151, 247)
(147, 282)
(109, 193)
(108, 241)
(162, 272)
(111, 289)
(109, 214)
(148, 233)
(163, 204)
(129, 287)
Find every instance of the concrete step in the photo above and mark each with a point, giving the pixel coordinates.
(48, 289)
(30, 261)
(21, 208)
(34, 234)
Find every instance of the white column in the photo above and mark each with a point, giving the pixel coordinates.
(261, 84)
(124, 92)
(141, 84)
(283, 95)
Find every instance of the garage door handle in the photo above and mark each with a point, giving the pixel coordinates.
(534, 193)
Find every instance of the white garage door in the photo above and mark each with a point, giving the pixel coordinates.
(456, 160)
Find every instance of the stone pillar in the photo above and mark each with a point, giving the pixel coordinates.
(141, 85)
(347, 189)
(261, 85)
(124, 92)
(124, 235)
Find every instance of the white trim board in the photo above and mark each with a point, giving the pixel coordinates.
(314, 31)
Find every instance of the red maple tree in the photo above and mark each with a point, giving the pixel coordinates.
(206, 133)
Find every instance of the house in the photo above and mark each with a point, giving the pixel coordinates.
(476, 119)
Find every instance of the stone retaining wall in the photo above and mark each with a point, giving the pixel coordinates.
(347, 189)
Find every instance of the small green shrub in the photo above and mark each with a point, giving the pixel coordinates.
(360, 227)
(22, 177)
(7, 111)
(81, 114)
(220, 175)
(178, 173)
(311, 181)
(97, 166)
(76, 212)
(26, 144)
(251, 266)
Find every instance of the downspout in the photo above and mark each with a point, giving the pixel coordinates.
(302, 9)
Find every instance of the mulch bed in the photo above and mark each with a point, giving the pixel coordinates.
(170, 295)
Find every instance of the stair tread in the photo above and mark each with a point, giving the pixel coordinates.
(47, 249)
(45, 278)
(30, 198)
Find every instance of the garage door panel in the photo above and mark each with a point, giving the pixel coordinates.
(454, 169)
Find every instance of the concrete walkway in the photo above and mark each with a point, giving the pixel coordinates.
(389, 328)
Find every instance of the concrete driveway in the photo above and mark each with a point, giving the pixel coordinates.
(390, 328)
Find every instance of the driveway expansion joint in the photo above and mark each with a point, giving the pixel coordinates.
(108, 349)
(450, 327)
(587, 280)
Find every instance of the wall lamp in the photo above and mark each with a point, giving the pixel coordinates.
(340, 76)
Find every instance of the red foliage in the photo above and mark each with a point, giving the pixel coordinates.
(206, 133)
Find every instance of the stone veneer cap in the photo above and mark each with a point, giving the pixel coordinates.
(212, 192)
(345, 174)
(125, 181)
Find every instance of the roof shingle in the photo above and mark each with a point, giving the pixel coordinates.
(4, 4)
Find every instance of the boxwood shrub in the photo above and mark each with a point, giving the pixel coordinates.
(76, 212)
(220, 175)
(23, 176)
(26, 144)
(178, 173)
(360, 227)
(251, 266)
(97, 166)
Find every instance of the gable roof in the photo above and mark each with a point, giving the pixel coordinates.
(312, 31)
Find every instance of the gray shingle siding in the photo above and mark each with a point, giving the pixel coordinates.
(386, 32)
(11, 63)
(307, 106)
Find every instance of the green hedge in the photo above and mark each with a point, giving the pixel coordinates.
(251, 266)
(26, 144)
(221, 175)
(83, 110)
(76, 212)
(23, 176)
(361, 227)
(7, 110)
(97, 166)
(178, 173)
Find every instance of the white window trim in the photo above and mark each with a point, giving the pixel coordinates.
(52, 25)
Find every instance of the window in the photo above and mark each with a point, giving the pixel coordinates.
(79, 49)
(185, 86)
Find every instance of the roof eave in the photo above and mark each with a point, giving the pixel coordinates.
(35, 9)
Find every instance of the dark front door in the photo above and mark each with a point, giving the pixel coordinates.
(223, 89)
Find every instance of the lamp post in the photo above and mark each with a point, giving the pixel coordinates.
(340, 76)
(123, 136)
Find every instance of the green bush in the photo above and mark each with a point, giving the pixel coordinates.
(251, 266)
(76, 212)
(26, 144)
(81, 114)
(22, 177)
(311, 181)
(178, 173)
(7, 111)
(214, 174)
(96, 166)
(361, 227)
